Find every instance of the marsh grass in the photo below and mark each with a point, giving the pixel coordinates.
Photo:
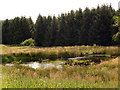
(103, 75)
(25, 54)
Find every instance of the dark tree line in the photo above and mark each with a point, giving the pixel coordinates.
(16, 30)
(78, 27)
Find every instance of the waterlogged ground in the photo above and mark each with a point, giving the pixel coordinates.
(74, 74)
(91, 59)
(103, 75)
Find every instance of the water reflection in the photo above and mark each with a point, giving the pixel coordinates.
(36, 65)
(70, 61)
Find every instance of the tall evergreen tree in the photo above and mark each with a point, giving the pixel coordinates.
(85, 27)
(93, 27)
(31, 26)
(48, 32)
(62, 40)
(105, 23)
(54, 30)
(73, 31)
(39, 33)
(25, 29)
(5, 32)
(78, 23)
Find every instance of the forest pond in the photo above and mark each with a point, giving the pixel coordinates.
(77, 61)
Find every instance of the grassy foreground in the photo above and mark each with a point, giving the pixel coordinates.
(103, 75)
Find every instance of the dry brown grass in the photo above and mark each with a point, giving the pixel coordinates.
(105, 71)
(70, 49)
(113, 62)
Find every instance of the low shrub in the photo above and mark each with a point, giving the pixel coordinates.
(28, 42)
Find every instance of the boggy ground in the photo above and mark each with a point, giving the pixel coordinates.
(12, 54)
(103, 75)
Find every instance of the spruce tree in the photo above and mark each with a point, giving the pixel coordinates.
(39, 33)
(78, 23)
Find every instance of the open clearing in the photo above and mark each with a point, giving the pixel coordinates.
(102, 75)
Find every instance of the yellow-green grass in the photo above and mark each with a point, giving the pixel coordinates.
(103, 75)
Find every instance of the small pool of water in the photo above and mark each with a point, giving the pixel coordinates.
(36, 65)
(43, 65)
(71, 61)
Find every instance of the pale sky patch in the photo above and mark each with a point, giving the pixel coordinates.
(13, 8)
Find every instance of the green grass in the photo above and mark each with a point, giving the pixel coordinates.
(0, 76)
(104, 75)
(23, 82)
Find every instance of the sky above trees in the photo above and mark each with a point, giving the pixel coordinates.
(13, 8)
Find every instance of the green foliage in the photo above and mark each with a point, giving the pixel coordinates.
(115, 18)
(94, 45)
(28, 42)
(116, 37)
